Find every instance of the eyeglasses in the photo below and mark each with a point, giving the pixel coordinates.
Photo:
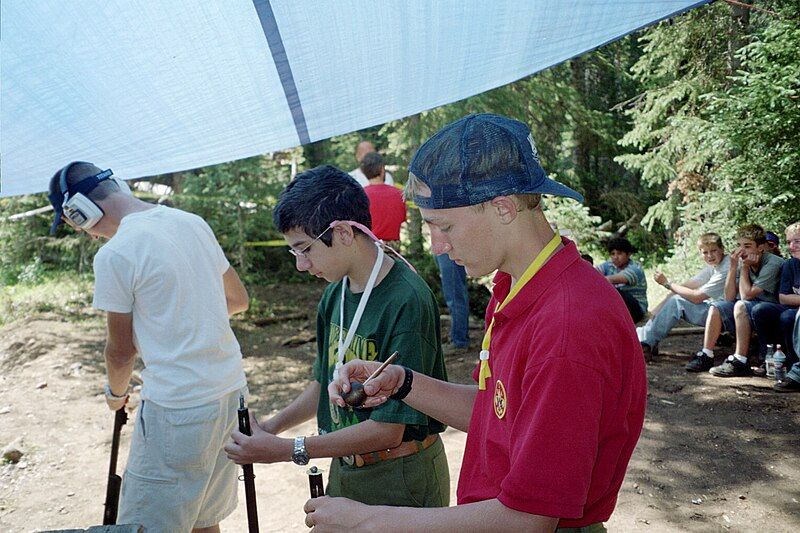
(302, 253)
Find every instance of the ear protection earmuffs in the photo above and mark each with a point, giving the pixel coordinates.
(76, 205)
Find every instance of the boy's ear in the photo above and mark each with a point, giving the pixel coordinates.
(344, 234)
(505, 207)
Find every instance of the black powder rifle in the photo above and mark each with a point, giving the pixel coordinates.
(114, 481)
(249, 476)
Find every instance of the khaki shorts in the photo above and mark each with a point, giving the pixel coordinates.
(178, 476)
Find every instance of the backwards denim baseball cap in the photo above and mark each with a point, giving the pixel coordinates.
(480, 157)
(770, 236)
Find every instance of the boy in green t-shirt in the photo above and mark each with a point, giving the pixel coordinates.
(374, 306)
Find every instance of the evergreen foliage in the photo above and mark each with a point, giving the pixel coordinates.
(690, 126)
(236, 199)
(717, 125)
(28, 254)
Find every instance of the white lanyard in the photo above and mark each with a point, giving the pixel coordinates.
(343, 346)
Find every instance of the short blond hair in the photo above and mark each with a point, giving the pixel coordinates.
(414, 187)
(710, 239)
(528, 202)
(793, 229)
(525, 202)
(752, 232)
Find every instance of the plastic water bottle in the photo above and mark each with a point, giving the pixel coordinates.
(780, 364)
(770, 361)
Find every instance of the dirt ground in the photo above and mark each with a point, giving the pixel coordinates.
(715, 455)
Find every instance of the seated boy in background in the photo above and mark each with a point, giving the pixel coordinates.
(373, 306)
(773, 244)
(791, 383)
(627, 276)
(752, 278)
(774, 322)
(689, 300)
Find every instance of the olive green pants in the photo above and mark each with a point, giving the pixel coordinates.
(419, 480)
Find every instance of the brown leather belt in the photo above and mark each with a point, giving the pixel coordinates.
(404, 450)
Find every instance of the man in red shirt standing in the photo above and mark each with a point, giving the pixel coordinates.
(561, 386)
(386, 204)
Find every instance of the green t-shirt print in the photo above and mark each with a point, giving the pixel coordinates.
(401, 315)
(360, 348)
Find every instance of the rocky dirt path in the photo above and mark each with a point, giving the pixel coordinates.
(715, 455)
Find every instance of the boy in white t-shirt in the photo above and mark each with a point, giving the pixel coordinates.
(168, 292)
(689, 300)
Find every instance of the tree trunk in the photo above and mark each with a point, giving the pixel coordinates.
(582, 136)
(415, 248)
(738, 34)
(314, 153)
(242, 239)
(81, 254)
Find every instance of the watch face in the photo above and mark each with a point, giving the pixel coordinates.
(300, 459)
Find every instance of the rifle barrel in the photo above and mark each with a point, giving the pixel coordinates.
(114, 481)
(249, 476)
(250, 498)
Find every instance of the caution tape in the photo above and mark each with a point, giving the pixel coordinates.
(277, 243)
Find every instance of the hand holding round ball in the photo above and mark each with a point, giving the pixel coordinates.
(356, 396)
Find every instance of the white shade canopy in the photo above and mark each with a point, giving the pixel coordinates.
(148, 87)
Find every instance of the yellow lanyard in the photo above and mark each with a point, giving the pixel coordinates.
(533, 268)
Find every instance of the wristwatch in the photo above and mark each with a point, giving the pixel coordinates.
(110, 394)
(405, 388)
(299, 454)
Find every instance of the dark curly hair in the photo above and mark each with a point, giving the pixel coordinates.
(621, 244)
(317, 197)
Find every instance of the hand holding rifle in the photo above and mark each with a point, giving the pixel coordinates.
(249, 476)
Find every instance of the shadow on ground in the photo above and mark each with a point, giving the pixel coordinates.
(715, 453)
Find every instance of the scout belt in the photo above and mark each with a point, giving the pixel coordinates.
(404, 450)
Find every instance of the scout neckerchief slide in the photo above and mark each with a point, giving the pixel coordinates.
(533, 268)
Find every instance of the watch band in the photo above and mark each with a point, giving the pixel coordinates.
(405, 388)
(299, 453)
(110, 394)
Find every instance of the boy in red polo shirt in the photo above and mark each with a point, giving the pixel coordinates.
(561, 385)
(387, 208)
